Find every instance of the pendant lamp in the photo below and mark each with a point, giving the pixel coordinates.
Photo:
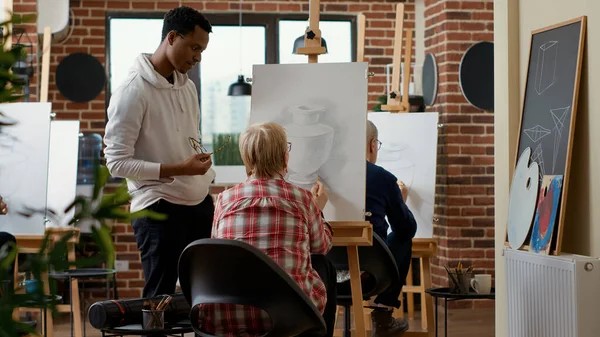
(240, 87)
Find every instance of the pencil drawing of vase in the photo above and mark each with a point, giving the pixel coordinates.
(399, 159)
(311, 143)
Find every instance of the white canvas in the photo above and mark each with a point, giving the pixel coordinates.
(409, 151)
(24, 151)
(62, 169)
(323, 109)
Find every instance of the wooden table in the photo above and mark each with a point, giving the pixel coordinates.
(352, 235)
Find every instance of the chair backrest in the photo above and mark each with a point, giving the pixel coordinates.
(377, 260)
(234, 272)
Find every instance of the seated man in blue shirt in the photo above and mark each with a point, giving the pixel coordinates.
(386, 197)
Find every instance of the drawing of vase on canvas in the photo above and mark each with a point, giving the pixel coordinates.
(399, 159)
(11, 163)
(311, 142)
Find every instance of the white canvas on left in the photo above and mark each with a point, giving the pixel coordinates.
(409, 151)
(323, 109)
(24, 149)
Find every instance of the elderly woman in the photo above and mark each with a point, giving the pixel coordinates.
(284, 221)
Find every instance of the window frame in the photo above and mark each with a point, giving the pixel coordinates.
(267, 19)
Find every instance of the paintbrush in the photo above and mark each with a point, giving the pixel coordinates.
(160, 303)
(154, 313)
(163, 304)
(454, 280)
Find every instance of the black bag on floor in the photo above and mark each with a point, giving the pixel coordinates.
(115, 313)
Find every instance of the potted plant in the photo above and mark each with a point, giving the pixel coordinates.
(102, 208)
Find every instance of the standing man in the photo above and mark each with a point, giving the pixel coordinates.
(151, 118)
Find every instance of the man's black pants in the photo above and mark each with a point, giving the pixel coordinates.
(161, 242)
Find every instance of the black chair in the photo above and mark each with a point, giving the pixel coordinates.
(234, 272)
(377, 261)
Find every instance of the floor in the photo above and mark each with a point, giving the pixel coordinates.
(462, 322)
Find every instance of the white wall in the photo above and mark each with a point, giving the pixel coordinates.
(514, 21)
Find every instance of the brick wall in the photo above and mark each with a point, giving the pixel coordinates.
(465, 172)
(88, 36)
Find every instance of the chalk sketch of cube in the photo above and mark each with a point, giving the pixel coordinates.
(545, 75)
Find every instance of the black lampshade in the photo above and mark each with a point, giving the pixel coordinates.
(299, 43)
(240, 88)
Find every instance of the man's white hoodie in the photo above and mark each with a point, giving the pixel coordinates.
(149, 123)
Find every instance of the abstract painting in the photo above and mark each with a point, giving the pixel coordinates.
(546, 214)
(409, 151)
(323, 108)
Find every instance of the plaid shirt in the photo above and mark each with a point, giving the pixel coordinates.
(284, 222)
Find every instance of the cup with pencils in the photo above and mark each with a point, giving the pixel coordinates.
(460, 278)
(153, 315)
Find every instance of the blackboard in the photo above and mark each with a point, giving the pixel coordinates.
(550, 102)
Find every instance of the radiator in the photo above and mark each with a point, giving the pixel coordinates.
(552, 296)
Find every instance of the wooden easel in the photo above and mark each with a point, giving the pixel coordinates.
(350, 234)
(394, 104)
(423, 249)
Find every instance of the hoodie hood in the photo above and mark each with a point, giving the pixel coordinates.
(144, 68)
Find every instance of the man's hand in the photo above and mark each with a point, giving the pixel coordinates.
(3, 207)
(319, 192)
(404, 190)
(197, 164)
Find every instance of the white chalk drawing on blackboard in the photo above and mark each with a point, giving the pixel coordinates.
(536, 133)
(559, 116)
(545, 75)
(538, 157)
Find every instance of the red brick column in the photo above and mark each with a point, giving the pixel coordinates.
(465, 172)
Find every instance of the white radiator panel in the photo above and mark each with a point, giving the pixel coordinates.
(552, 296)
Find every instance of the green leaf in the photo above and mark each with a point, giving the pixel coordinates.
(10, 254)
(100, 179)
(146, 213)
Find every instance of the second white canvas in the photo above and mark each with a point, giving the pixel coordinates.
(323, 109)
(409, 151)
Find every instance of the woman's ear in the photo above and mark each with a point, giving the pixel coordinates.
(286, 158)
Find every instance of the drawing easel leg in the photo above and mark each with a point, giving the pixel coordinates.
(356, 288)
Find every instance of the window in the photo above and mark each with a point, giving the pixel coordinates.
(124, 49)
(265, 38)
(227, 57)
